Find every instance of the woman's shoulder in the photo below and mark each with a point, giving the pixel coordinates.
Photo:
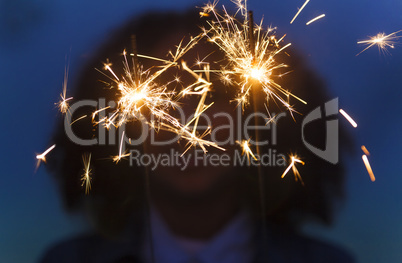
(304, 248)
(74, 249)
(90, 248)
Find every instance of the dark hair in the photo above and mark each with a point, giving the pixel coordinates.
(117, 189)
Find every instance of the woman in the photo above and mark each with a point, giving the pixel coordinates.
(199, 212)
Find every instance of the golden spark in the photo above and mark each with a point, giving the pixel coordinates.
(63, 104)
(200, 87)
(42, 157)
(80, 118)
(382, 40)
(86, 176)
(364, 149)
(294, 159)
(315, 19)
(121, 155)
(368, 167)
(298, 12)
(245, 145)
(354, 124)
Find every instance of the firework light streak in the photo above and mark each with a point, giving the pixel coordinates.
(121, 155)
(86, 176)
(381, 40)
(315, 19)
(364, 149)
(250, 51)
(298, 12)
(42, 157)
(368, 167)
(354, 124)
(200, 87)
(80, 118)
(294, 160)
(63, 104)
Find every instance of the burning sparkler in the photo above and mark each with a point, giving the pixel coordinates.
(139, 92)
(251, 53)
(382, 40)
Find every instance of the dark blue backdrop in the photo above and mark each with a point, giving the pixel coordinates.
(36, 35)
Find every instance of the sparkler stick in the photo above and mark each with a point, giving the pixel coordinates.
(257, 135)
(315, 19)
(144, 147)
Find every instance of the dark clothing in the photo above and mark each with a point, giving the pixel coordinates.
(278, 247)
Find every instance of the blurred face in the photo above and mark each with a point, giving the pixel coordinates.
(187, 170)
(195, 173)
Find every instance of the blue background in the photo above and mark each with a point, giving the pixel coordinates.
(36, 36)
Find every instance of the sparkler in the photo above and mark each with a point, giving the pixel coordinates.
(251, 53)
(294, 159)
(382, 40)
(86, 176)
(139, 92)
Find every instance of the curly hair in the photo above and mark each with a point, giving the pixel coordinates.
(117, 191)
